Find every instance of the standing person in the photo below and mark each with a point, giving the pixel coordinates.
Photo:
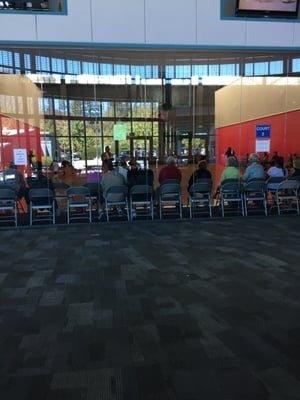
(107, 155)
(265, 161)
(230, 152)
(275, 158)
(15, 179)
(169, 172)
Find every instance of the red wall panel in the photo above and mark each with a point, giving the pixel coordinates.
(285, 136)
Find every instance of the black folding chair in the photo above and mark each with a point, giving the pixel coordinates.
(231, 192)
(200, 196)
(141, 196)
(41, 201)
(79, 198)
(170, 198)
(8, 205)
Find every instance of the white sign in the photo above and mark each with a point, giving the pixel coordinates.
(262, 146)
(20, 156)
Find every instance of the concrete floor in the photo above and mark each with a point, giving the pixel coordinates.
(151, 311)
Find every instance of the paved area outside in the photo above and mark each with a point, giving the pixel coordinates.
(151, 311)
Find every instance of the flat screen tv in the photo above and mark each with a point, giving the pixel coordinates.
(267, 8)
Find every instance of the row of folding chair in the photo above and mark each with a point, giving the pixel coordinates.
(140, 200)
(284, 194)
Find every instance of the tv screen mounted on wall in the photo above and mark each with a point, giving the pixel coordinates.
(267, 8)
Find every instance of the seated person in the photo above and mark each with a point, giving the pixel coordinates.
(111, 178)
(137, 176)
(68, 171)
(123, 168)
(276, 170)
(15, 179)
(41, 181)
(201, 173)
(231, 170)
(296, 168)
(255, 170)
(169, 172)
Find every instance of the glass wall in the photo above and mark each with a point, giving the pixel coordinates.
(68, 106)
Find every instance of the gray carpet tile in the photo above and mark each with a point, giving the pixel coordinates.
(151, 311)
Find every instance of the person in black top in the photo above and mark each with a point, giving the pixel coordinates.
(230, 152)
(201, 173)
(137, 176)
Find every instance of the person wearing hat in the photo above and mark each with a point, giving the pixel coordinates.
(169, 172)
(254, 170)
(201, 173)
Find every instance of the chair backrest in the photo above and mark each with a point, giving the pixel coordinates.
(274, 182)
(94, 188)
(116, 193)
(40, 193)
(38, 183)
(60, 185)
(9, 178)
(289, 185)
(141, 189)
(201, 186)
(78, 191)
(167, 181)
(255, 186)
(7, 194)
(230, 186)
(4, 185)
(170, 188)
(275, 179)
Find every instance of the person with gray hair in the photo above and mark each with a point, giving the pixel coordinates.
(231, 171)
(170, 171)
(254, 170)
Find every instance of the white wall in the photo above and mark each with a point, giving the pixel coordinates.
(148, 22)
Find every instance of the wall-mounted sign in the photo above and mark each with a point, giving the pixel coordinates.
(263, 138)
(20, 156)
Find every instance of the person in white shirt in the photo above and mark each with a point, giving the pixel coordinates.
(276, 171)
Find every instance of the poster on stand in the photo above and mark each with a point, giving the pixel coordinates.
(20, 156)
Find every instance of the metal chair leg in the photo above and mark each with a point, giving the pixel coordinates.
(68, 212)
(30, 214)
(180, 208)
(160, 209)
(127, 211)
(278, 205)
(16, 215)
(107, 212)
(131, 211)
(222, 206)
